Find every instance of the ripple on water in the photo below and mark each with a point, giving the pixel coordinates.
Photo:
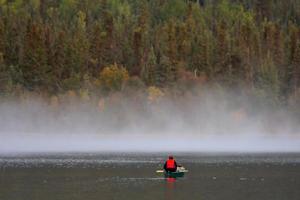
(95, 160)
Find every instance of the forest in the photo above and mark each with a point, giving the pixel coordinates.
(100, 50)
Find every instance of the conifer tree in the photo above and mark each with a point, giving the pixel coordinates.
(295, 62)
(35, 66)
(148, 72)
(222, 51)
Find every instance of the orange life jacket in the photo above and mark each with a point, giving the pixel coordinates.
(171, 164)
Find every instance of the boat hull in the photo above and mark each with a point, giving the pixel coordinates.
(174, 174)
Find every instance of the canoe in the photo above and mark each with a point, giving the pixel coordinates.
(179, 173)
(176, 174)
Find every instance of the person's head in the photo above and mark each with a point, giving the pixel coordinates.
(171, 157)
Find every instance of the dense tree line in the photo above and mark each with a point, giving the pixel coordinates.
(55, 46)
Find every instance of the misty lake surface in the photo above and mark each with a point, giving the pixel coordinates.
(130, 176)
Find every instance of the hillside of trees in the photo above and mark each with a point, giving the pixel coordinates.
(99, 48)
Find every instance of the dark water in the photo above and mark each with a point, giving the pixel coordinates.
(132, 176)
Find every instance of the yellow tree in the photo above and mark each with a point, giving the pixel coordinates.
(112, 77)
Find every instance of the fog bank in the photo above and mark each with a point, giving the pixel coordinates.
(204, 123)
(133, 143)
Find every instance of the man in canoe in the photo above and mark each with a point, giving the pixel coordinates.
(170, 165)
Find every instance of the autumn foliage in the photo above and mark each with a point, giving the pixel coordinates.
(113, 77)
(93, 47)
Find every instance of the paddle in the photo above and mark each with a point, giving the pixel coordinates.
(162, 171)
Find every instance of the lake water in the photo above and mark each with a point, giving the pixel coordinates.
(93, 176)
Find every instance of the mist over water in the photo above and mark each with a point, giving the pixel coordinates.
(207, 123)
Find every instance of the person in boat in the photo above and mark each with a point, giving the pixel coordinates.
(170, 165)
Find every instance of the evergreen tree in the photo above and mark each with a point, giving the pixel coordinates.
(35, 66)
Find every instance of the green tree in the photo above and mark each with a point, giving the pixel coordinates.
(35, 66)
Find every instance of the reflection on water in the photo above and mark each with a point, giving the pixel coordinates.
(132, 176)
(170, 188)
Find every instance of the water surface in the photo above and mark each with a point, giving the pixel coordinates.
(130, 176)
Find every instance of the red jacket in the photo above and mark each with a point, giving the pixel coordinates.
(170, 164)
